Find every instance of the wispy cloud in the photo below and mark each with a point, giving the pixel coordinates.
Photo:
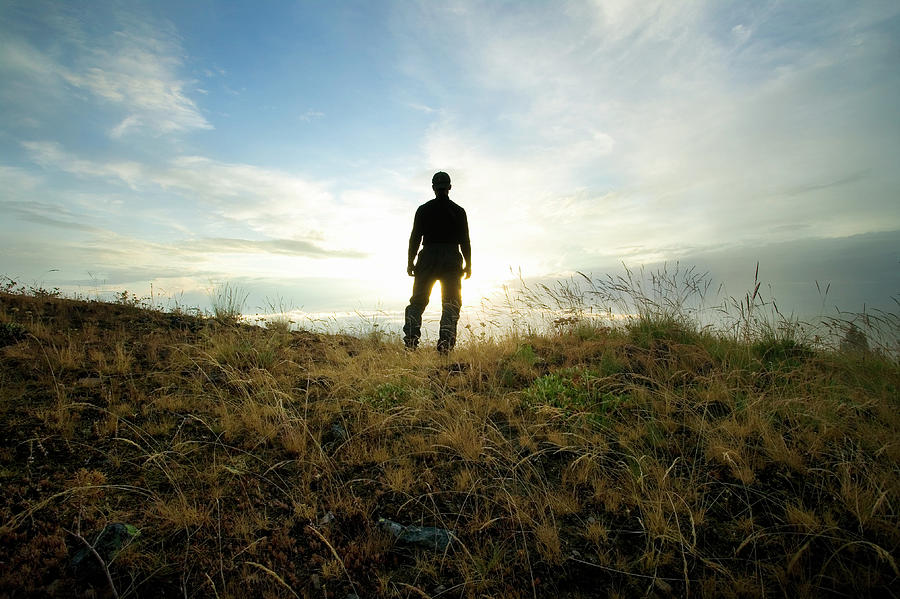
(40, 213)
(136, 69)
(50, 154)
(670, 123)
(19, 179)
(288, 247)
(422, 108)
(309, 115)
(299, 216)
(828, 183)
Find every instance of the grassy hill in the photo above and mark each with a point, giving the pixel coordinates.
(651, 459)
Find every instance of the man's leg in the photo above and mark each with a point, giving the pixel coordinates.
(412, 328)
(451, 303)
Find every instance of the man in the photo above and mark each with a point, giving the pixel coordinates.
(442, 228)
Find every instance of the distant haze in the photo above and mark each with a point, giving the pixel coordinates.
(284, 147)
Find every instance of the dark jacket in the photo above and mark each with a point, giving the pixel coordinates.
(442, 227)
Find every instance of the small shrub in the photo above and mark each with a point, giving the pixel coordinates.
(246, 351)
(555, 390)
(133, 300)
(610, 364)
(515, 369)
(387, 396)
(11, 332)
(228, 302)
(573, 391)
(780, 353)
(525, 354)
(645, 331)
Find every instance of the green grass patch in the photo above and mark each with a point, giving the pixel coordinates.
(574, 391)
(387, 395)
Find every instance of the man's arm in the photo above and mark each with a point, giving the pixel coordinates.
(415, 238)
(467, 254)
(466, 247)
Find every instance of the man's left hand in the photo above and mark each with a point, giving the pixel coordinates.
(467, 271)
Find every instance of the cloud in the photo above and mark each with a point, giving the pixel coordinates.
(45, 214)
(19, 56)
(289, 247)
(859, 270)
(19, 179)
(130, 122)
(615, 129)
(849, 179)
(63, 217)
(29, 198)
(299, 216)
(309, 115)
(50, 154)
(421, 107)
(135, 69)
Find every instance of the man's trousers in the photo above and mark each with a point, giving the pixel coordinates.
(435, 264)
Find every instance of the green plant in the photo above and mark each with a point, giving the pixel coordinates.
(525, 354)
(646, 330)
(387, 395)
(516, 367)
(574, 391)
(610, 364)
(782, 353)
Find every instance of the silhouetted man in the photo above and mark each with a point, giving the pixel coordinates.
(442, 228)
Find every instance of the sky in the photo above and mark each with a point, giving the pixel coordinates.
(283, 147)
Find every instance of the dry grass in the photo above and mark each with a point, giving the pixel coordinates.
(594, 461)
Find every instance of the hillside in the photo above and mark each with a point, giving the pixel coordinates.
(647, 460)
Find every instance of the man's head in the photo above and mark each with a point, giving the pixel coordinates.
(440, 183)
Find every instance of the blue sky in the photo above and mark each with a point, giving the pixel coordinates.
(284, 146)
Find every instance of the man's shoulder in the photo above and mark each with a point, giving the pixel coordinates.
(435, 204)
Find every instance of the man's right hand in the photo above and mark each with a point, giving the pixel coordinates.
(410, 270)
